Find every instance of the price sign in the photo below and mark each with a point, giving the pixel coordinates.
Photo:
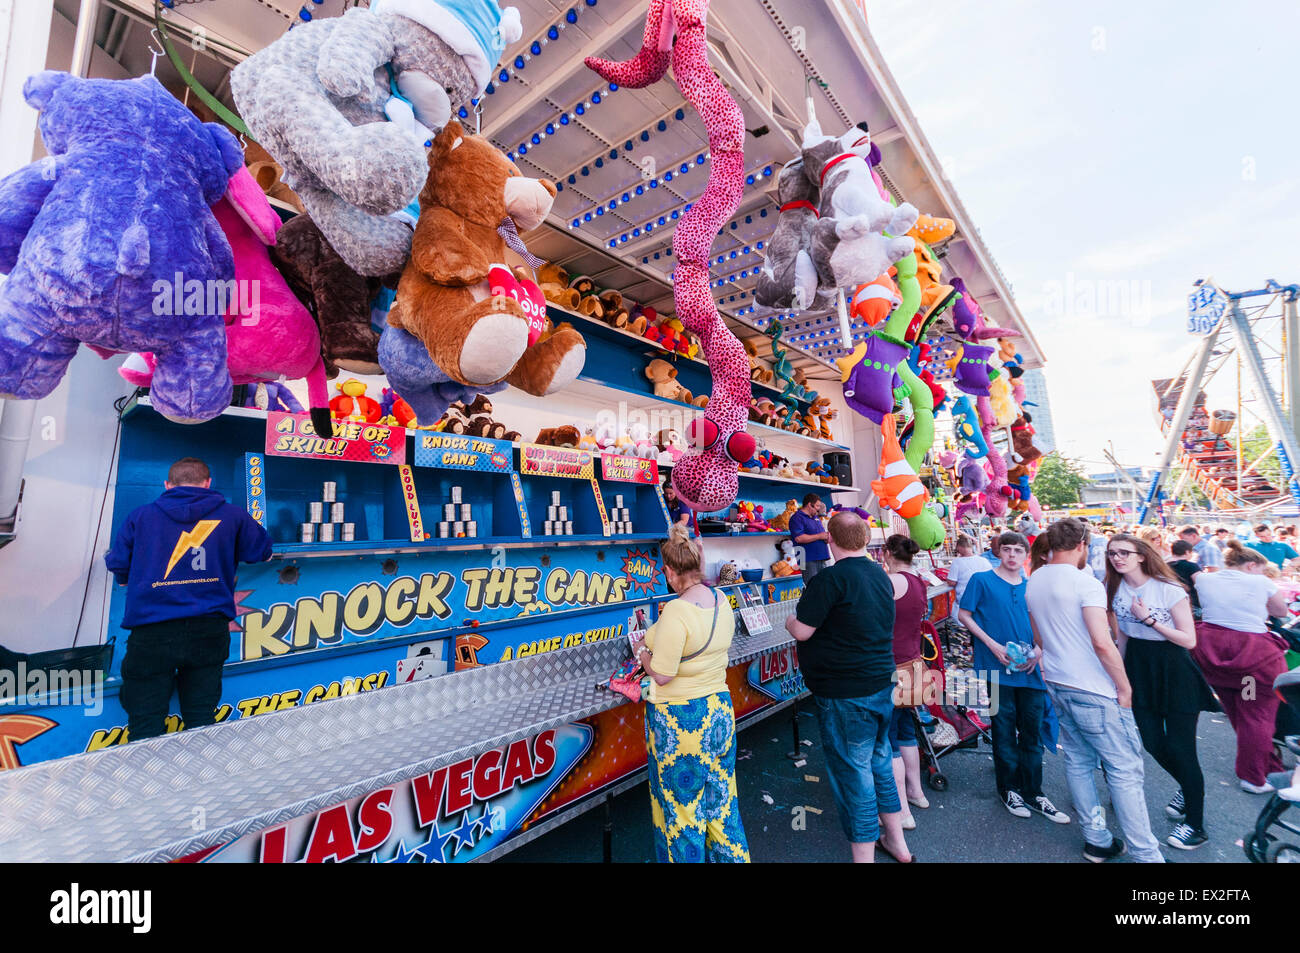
(1206, 306)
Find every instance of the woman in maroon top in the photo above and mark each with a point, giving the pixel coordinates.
(910, 605)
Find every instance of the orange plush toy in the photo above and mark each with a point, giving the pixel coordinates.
(480, 324)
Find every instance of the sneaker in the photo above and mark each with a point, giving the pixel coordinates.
(1186, 837)
(1249, 788)
(1099, 855)
(1016, 804)
(1046, 808)
(1177, 807)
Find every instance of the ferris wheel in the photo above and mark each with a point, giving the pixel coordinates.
(1257, 333)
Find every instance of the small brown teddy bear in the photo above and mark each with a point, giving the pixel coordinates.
(781, 521)
(554, 282)
(476, 332)
(481, 423)
(588, 297)
(615, 313)
(664, 378)
(758, 371)
(563, 436)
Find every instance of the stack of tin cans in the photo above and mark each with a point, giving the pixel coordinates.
(457, 517)
(325, 519)
(620, 517)
(557, 521)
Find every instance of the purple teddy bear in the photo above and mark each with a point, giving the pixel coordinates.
(96, 238)
(421, 382)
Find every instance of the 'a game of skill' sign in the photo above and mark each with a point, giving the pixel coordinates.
(463, 452)
(537, 459)
(620, 469)
(292, 435)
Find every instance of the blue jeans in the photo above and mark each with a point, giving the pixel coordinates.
(855, 734)
(1095, 728)
(1017, 750)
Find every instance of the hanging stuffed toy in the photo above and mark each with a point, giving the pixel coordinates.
(270, 335)
(478, 323)
(869, 375)
(995, 503)
(706, 478)
(898, 488)
(347, 104)
(925, 527)
(111, 241)
(850, 244)
(1022, 439)
(789, 277)
(966, 425)
(871, 303)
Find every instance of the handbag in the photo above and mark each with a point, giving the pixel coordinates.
(909, 676)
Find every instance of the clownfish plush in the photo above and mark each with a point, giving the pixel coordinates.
(874, 301)
(898, 488)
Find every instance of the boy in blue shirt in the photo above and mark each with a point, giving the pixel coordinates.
(177, 557)
(993, 610)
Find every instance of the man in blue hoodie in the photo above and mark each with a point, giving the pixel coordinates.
(177, 556)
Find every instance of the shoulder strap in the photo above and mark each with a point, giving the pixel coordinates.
(717, 603)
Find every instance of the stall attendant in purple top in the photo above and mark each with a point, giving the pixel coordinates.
(807, 530)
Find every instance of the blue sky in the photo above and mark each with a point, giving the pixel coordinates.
(1111, 153)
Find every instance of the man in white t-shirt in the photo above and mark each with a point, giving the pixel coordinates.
(1094, 702)
(965, 565)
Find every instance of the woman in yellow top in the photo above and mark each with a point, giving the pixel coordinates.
(690, 724)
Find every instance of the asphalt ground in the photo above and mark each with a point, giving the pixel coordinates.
(790, 816)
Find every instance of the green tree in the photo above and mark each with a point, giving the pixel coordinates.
(1059, 481)
(1191, 492)
(1253, 446)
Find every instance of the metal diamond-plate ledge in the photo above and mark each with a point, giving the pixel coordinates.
(139, 802)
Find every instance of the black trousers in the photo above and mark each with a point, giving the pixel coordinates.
(185, 656)
(1170, 738)
(1017, 744)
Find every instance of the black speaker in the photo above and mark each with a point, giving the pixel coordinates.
(841, 466)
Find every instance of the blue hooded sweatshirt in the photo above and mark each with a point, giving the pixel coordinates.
(177, 555)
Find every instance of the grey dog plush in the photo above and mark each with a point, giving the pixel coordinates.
(852, 241)
(789, 277)
(347, 104)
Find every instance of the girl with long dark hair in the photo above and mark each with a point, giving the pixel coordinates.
(1151, 617)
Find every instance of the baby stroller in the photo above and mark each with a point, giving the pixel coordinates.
(1264, 845)
(954, 725)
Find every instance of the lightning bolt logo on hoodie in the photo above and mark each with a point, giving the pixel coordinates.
(192, 539)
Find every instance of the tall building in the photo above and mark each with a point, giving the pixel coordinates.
(1036, 392)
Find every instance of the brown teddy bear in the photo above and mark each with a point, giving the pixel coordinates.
(616, 314)
(1022, 440)
(781, 521)
(477, 330)
(664, 378)
(481, 423)
(555, 285)
(564, 436)
(758, 370)
(588, 297)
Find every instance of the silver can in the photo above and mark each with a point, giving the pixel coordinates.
(336, 512)
(349, 532)
(455, 494)
(466, 512)
(329, 491)
(315, 512)
(444, 529)
(449, 511)
(471, 528)
(458, 528)
(327, 532)
(308, 532)
(568, 527)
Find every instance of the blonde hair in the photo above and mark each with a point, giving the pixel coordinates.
(1238, 555)
(681, 553)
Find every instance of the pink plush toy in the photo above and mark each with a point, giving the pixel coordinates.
(995, 503)
(705, 478)
(269, 334)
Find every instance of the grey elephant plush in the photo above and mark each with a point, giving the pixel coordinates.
(789, 277)
(347, 105)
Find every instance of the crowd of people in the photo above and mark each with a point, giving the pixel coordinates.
(1122, 638)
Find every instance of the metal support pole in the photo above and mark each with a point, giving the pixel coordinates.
(1291, 351)
(797, 753)
(1186, 400)
(607, 838)
(1278, 424)
(84, 44)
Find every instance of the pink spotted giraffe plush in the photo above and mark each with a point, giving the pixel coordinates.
(706, 477)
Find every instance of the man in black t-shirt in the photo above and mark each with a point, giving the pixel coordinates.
(1183, 564)
(844, 625)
